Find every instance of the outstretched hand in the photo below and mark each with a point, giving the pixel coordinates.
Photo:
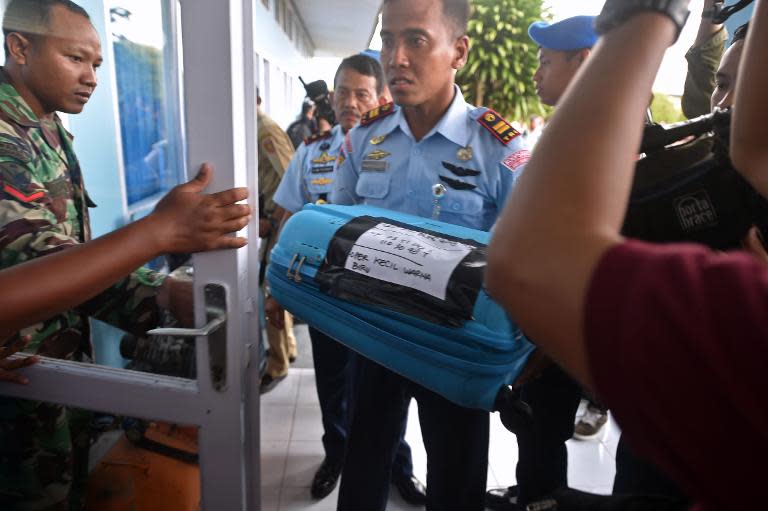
(274, 313)
(8, 367)
(189, 220)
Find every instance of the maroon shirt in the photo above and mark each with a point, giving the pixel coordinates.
(677, 339)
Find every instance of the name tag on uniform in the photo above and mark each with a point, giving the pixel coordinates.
(322, 169)
(375, 166)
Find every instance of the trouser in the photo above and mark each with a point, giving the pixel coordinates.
(282, 347)
(282, 342)
(455, 438)
(43, 455)
(543, 457)
(336, 370)
(636, 476)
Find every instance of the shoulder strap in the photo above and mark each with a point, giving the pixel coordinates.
(377, 113)
(498, 126)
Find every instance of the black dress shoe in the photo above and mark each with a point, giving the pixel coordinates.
(325, 480)
(502, 499)
(411, 490)
(268, 382)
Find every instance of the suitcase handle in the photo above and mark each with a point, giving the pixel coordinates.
(296, 277)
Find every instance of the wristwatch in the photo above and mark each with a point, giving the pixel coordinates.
(616, 12)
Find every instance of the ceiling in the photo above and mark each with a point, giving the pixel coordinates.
(339, 27)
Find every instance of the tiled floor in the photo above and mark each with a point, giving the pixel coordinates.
(292, 451)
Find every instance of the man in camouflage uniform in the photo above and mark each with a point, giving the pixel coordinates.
(52, 54)
(275, 153)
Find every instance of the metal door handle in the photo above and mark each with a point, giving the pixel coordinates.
(213, 325)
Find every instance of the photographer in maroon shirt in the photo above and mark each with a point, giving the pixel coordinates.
(674, 338)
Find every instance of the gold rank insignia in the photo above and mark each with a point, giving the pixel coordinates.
(319, 136)
(377, 113)
(378, 140)
(465, 153)
(498, 126)
(322, 181)
(324, 158)
(377, 155)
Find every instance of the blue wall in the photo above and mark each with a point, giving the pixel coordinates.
(96, 136)
(739, 18)
(96, 145)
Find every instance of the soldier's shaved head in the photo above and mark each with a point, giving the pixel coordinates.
(30, 17)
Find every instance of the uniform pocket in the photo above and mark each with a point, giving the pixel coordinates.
(373, 185)
(463, 203)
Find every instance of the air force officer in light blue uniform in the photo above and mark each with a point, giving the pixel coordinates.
(359, 87)
(435, 156)
(460, 172)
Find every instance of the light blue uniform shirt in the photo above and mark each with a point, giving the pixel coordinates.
(382, 165)
(310, 174)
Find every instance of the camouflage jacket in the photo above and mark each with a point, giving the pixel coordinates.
(44, 209)
(703, 61)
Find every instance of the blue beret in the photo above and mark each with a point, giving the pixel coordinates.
(374, 54)
(570, 34)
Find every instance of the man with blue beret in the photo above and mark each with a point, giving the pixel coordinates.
(563, 47)
(552, 395)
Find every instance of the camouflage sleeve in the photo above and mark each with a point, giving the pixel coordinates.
(130, 304)
(700, 81)
(32, 220)
(36, 221)
(279, 150)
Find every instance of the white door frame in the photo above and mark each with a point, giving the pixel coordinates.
(220, 112)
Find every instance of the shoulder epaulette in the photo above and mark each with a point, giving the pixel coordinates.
(377, 113)
(498, 126)
(317, 137)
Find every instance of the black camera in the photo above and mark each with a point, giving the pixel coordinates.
(689, 190)
(317, 91)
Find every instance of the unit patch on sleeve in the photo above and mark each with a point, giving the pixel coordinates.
(517, 159)
(498, 126)
(23, 197)
(377, 113)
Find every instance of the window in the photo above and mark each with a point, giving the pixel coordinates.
(148, 103)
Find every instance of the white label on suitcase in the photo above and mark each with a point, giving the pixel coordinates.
(409, 258)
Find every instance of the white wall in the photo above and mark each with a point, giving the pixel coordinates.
(280, 64)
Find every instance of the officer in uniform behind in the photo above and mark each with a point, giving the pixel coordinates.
(358, 87)
(435, 156)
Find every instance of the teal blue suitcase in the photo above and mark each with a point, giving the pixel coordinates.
(404, 291)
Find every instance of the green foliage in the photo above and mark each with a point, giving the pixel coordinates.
(502, 58)
(666, 109)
